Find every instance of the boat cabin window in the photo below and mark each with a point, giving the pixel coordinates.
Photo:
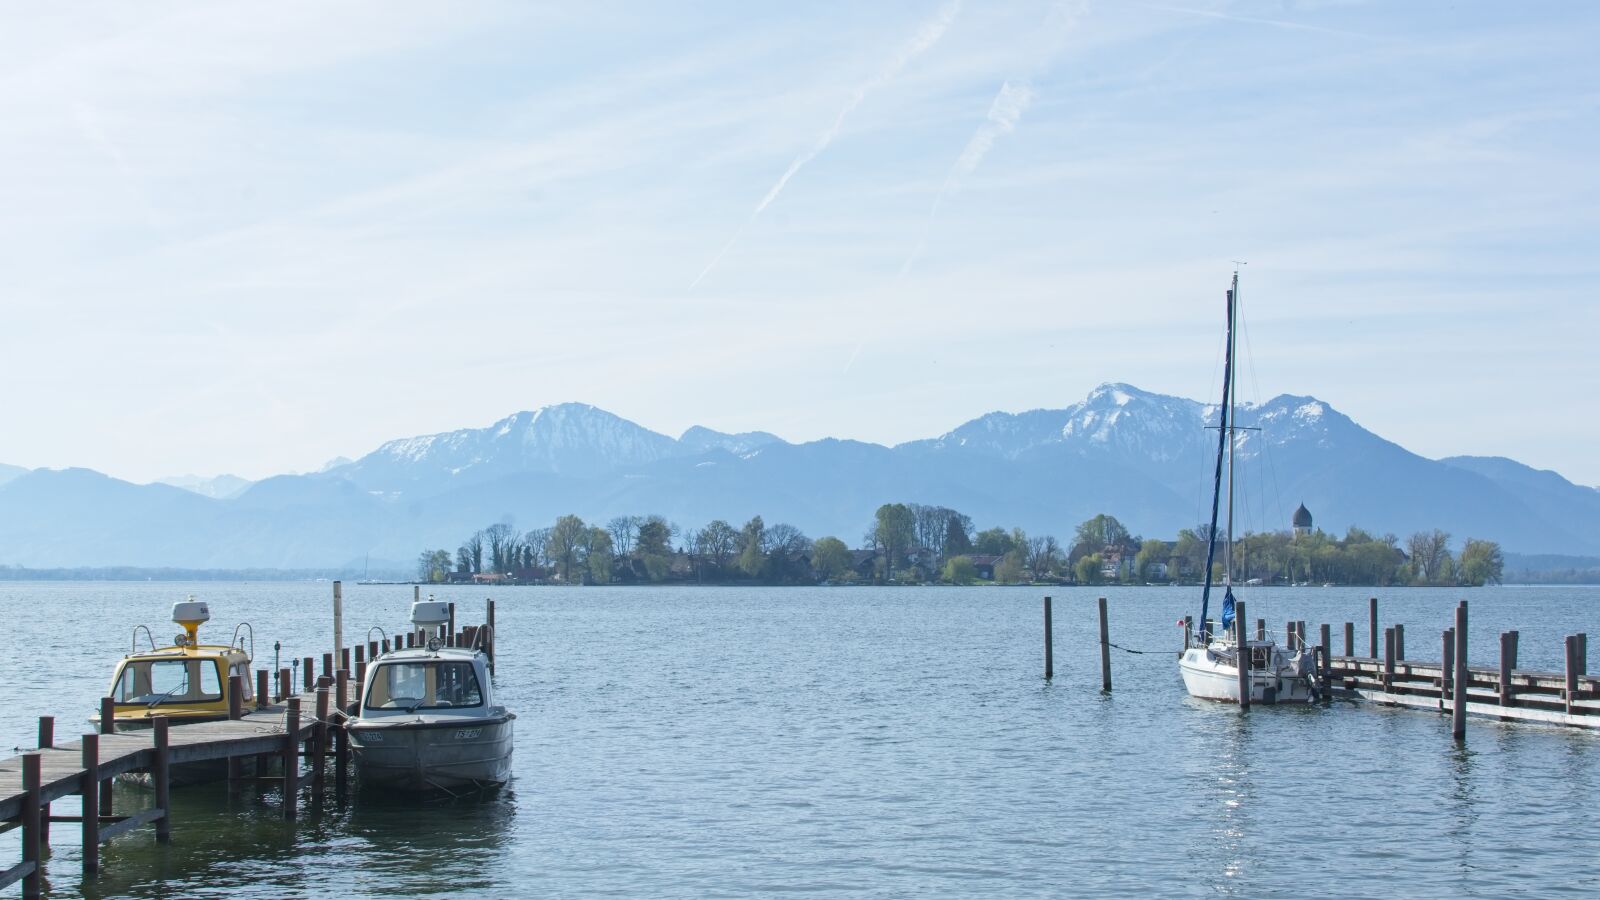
(243, 671)
(152, 681)
(424, 685)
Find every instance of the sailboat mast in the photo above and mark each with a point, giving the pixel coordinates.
(1229, 391)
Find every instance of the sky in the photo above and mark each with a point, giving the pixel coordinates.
(249, 238)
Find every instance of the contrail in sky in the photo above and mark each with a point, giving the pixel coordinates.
(926, 37)
(1004, 113)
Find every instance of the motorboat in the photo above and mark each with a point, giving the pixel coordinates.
(187, 681)
(427, 719)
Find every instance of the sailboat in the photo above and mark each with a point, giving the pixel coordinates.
(1210, 662)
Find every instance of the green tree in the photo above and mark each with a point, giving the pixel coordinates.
(566, 545)
(1096, 534)
(597, 552)
(654, 545)
(717, 543)
(960, 570)
(1481, 563)
(1150, 553)
(830, 558)
(433, 565)
(752, 553)
(993, 542)
(957, 539)
(895, 531)
(1087, 569)
(1010, 568)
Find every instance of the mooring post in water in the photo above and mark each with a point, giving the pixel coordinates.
(1571, 666)
(1188, 631)
(416, 593)
(1388, 659)
(327, 665)
(1242, 653)
(47, 741)
(235, 713)
(32, 883)
(1261, 627)
(261, 689)
(291, 759)
(89, 790)
(1288, 635)
(341, 737)
(489, 620)
(108, 725)
(1049, 648)
(1105, 649)
(1400, 642)
(450, 635)
(284, 680)
(1372, 623)
(1447, 668)
(319, 759)
(344, 660)
(1583, 653)
(1508, 664)
(338, 618)
(308, 674)
(161, 777)
(1349, 639)
(1326, 634)
(1458, 706)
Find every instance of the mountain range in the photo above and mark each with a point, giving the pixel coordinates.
(1145, 458)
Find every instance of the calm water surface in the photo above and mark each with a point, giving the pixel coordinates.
(729, 742)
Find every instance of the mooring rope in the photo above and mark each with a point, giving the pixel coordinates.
(1131, 650)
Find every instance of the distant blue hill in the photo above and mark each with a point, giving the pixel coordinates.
(1145, 458)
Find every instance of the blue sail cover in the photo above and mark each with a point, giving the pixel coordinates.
(1227, 611)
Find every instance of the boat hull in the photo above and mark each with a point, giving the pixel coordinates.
(434, 755)
(1209, 676)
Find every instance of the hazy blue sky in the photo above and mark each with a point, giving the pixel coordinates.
(249, 238)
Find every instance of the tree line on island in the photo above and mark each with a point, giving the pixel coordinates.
(912, 543)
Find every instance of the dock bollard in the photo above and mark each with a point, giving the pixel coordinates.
(1372, 623)
(261, 689)
(1508, 662)
(1243, 654)
(161, 776)
(90, 791)
(1458, 708)
(291, 760)
(1049, 649)
(32, 883)
(1105, 649)
(108, 725)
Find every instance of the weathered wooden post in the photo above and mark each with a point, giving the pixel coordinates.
(291, 760)
(309, 675)
(1188, 631)
(1458, 707)
(1261, 627)
(361, 654)
(1372, 623)
(235, 713)
(338, 621)
(262, 697)
(1508, 664)
(1242, 651)
(1049, 649)
(344, 660)
(450, 635)
(327, 665)
(1447, 668)
(1349, 639)
(341, 737)
(1288, 636)
(32, 883)
(1571, 692)
(1583, 653)
(1388, 659)
(161, 777)
(1400, 641)
(489, 620)
(108, 725)
(47, 741)
(372, 649)
(284, 680)
(1105, 649)
(416, 593)
(89, 790)
(319, 759)
(1326, 635)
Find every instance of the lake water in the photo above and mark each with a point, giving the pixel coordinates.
(853, 741)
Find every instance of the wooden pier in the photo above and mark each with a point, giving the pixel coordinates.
(283, 729)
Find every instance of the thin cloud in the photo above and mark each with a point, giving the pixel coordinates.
(926, 36)
(1005, 112)
(1275, 23)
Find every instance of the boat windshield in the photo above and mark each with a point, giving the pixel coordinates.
(153, 681)
(424, 685)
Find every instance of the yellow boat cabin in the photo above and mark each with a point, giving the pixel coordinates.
(187, 681)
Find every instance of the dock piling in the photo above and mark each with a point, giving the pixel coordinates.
(235, 713)
(341, 738)
(1508, 663)
(308, 674)
(161, 777)
(1400, 641)
(1243, 653)
(319, 758)
(108, 725)
(1447, 668)
(1049, 647)
(1458, 705)
(1372, 623)
(291, 760)
(1349, 639)
(1570, 693)
(262, 700)
(32, 883)
(284, 680)
(1388, 659)
(488, 619)
(1105, 649)
(1261, 629)
(89, 789)
(1325, 634)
